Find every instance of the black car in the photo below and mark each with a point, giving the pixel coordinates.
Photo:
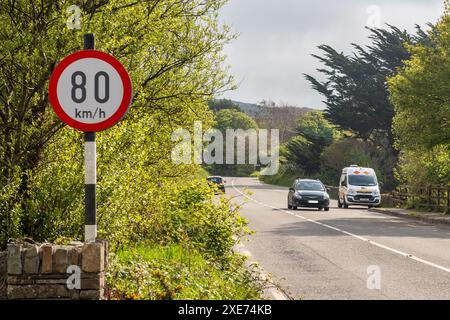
(307, 193)
(218, 181)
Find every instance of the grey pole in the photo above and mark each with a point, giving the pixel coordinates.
(90, 174)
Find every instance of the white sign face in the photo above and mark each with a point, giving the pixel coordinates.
(90, 90)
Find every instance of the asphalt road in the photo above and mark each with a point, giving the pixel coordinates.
(339, 254)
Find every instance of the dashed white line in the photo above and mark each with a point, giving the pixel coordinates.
(374, 243)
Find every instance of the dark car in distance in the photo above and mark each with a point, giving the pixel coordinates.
(217, 181)
(306, 193)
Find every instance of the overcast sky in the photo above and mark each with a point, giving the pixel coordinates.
(277, 38)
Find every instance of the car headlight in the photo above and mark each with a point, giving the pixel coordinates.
(376, 193)
(298, 195)
(351, 192)
(326, 196)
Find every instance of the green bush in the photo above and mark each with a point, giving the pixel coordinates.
(255, 174)
(175, 69)
(280, 179)
(232, 119)
(141, 194)
(155, 272)
(419, 93)
(10, 211)
(210, 226)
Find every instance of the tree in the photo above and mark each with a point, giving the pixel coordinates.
(355, 90)
(348, 151)
(420, 96)
(232, 119)
(217, 105)
(315, 133)
(282, 117)
(172, 50)
(316, 129)
(174, 67)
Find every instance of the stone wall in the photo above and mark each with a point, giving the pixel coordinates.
(3, 256)
(75, 271)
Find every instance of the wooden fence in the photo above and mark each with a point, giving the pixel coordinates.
(432, 197)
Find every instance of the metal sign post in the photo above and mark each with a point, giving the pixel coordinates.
(90, 91)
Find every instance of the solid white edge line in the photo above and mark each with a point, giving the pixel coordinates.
(374, 243)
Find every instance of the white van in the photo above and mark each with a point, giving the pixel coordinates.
(359, 186)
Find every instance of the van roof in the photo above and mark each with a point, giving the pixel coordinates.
(359, 170)
(307, 180)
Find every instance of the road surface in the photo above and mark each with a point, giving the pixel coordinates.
(345, 253)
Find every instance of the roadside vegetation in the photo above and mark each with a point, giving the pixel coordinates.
(168, 238)
(358, 109)
(419, 93)
(227, 116)
(152, 271)
(388, 108)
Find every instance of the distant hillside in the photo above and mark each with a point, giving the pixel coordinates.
(256, 110)
(268, 115)
(251, 109)
(271, 116)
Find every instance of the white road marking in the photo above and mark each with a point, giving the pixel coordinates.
(374, 243)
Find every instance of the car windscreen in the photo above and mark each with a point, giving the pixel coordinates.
(215, 180)
(362, 180)
(310, 186)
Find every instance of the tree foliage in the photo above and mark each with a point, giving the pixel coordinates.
(235, 120)
(221, 104)
(280, 116)
(350, 151)
(355, 88)
(422, 121)
(172, 50)
(232, 119)
(173, 67)
(315, 133)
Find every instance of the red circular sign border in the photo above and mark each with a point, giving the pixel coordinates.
(90, 127)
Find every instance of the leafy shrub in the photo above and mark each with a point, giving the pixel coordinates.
(10, 211)
(255, 174)
(280, 179)
(141, 194)
(232, 119)
(177, 272)
(175, 69)
(419, 93)
(210, 226)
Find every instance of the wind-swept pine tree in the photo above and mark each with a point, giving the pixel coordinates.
(355, 89)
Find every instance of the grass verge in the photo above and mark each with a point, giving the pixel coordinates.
(278, 180)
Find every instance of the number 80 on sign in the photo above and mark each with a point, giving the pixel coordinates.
(90, 90)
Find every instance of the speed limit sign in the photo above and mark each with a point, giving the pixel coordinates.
(90, 90)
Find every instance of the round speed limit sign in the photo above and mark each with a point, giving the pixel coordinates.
(90, 90)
